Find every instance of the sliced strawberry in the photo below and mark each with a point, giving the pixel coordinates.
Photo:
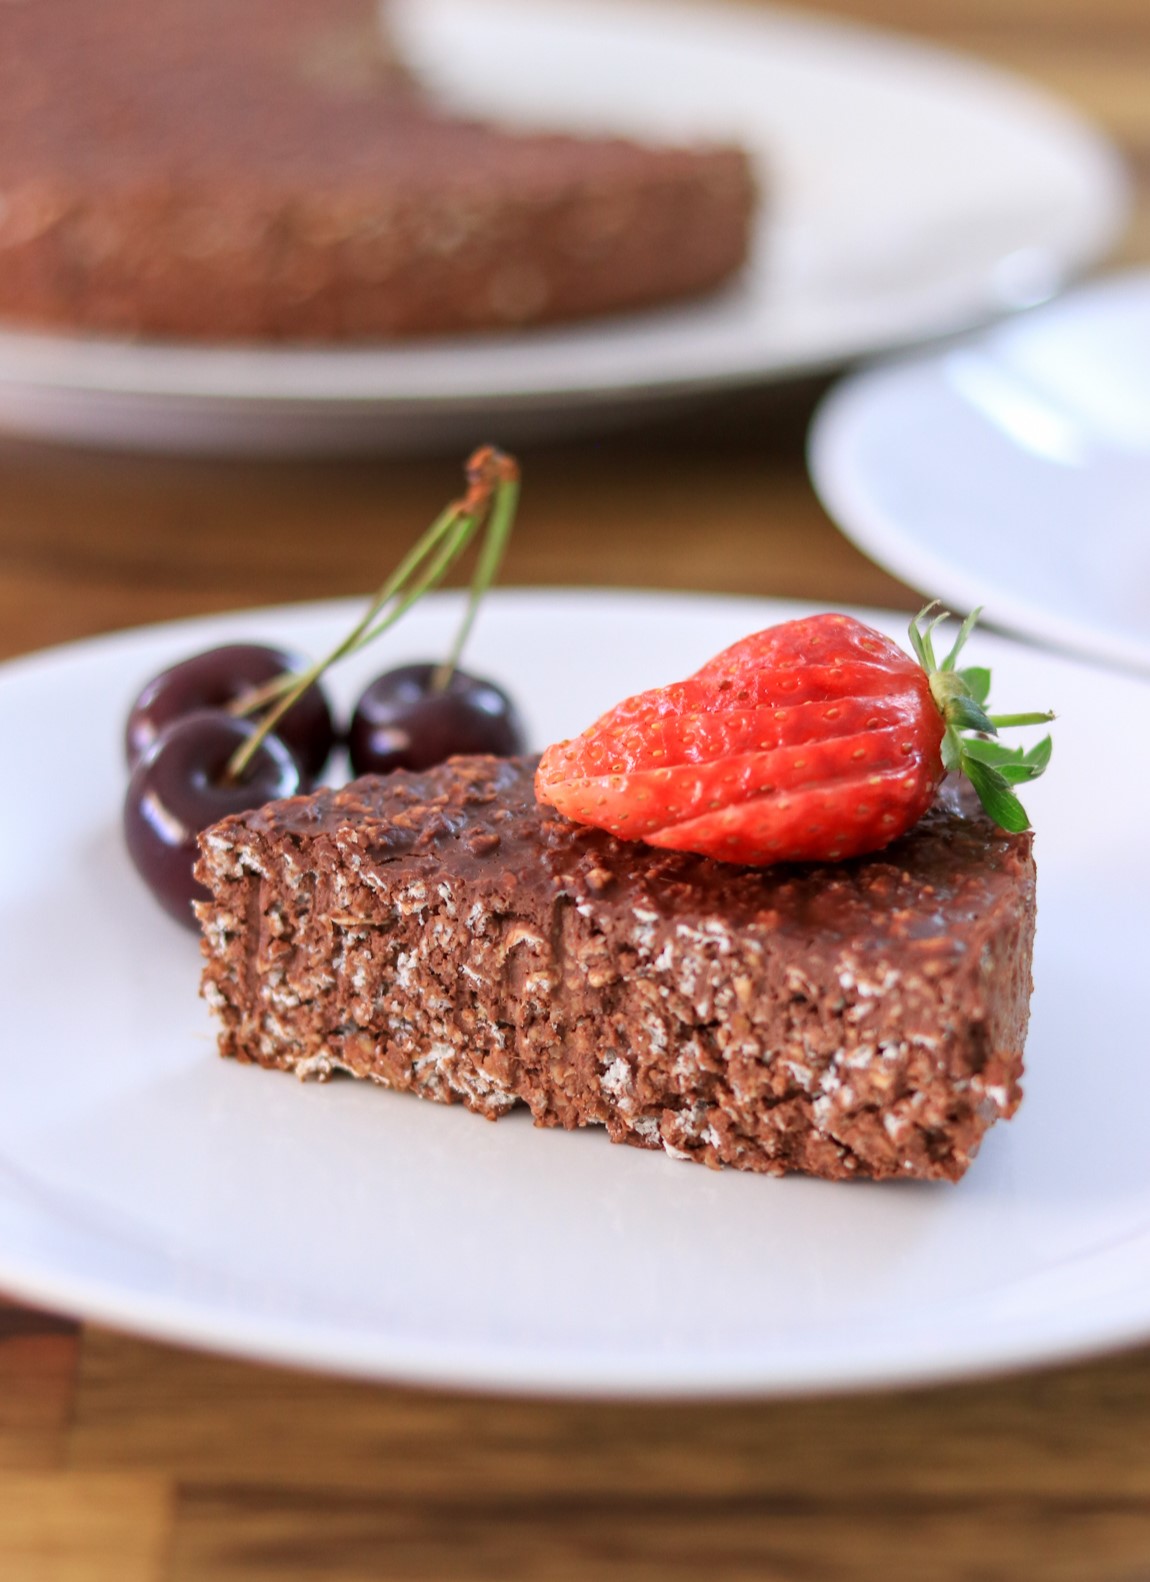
(814, 740)
(819, 823)
(712, 727)
(831, 641)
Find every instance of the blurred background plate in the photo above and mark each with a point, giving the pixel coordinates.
(909, 192)
(1011, 469)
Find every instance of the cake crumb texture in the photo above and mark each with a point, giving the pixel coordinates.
(444, 934)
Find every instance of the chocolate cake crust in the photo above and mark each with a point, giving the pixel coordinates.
(444, 933)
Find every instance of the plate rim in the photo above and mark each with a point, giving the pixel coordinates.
(326, 1350)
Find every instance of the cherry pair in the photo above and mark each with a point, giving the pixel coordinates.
(188, 725)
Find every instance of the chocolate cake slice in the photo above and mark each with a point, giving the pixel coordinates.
(269, 170)
(444, 933)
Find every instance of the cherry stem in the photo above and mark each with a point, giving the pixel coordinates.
(500, 523)
(257, 698)
(491, 496)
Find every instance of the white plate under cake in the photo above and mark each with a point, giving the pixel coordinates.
(147, 1183)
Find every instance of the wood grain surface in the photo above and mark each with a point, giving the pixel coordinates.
(123, 1461)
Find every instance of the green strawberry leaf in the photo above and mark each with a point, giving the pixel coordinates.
(964, 632)
(967, 715)
(977, 679)
(970, 743)
(996, 796)
(1039, 755)
(920, 640)
(952, 752)
(1015, 764)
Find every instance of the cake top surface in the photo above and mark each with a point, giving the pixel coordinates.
(478, 819)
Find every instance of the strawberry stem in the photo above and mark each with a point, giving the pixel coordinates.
(970, 744)
(488, 504)
(1007, 721)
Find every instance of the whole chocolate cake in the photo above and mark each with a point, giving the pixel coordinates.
(444, 933)
(267, 170)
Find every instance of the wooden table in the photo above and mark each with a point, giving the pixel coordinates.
(133, 1462)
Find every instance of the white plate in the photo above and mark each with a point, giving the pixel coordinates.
(909, 192)
(146, 1183)
(1011, 470)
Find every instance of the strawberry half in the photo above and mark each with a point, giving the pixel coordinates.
(816, 740)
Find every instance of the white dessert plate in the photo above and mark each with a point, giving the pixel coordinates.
(1011, 469)
(148, 1184)
(909, 192)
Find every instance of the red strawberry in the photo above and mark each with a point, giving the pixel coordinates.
(816, 740)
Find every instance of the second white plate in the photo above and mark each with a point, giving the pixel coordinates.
(146, 1183)
(908, 192)
(1011, 469)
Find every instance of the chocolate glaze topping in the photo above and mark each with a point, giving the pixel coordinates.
(483, 823)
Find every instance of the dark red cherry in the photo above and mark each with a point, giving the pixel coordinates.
(401, 722)
(178, 788)
(214, 680)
